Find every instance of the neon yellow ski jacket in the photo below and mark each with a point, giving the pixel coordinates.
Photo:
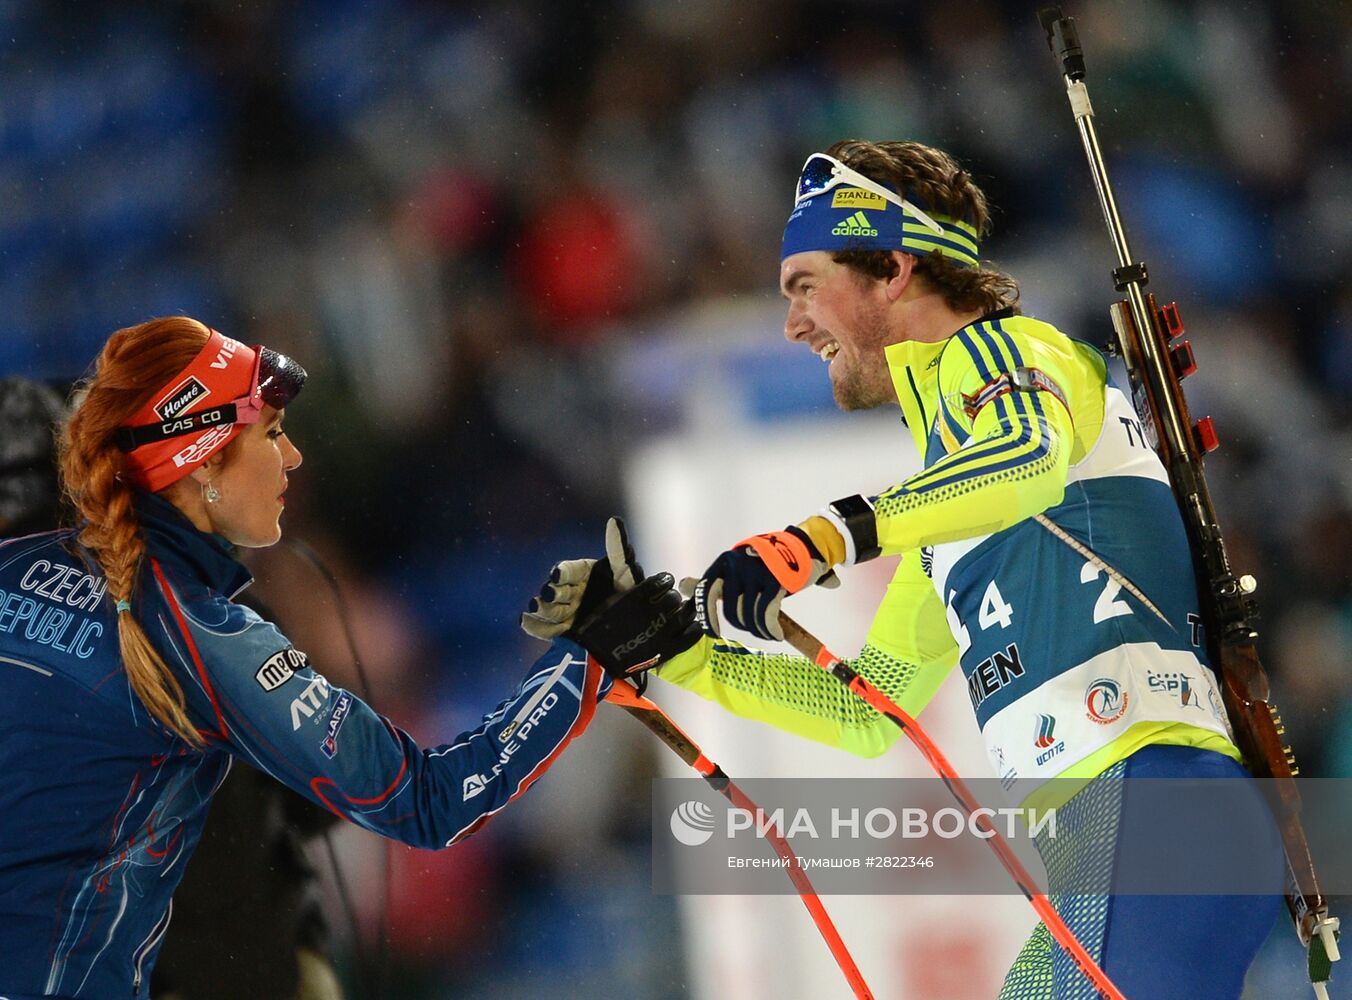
(1067, 672)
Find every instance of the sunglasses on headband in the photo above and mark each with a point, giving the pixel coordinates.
(275, 382)
(821, 173)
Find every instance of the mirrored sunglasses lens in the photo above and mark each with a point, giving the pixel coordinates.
(279, 379)
(817, 175)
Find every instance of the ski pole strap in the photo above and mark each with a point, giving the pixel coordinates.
(710, 771)
(1322, 954)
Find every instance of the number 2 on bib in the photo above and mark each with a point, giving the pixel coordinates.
(1107, 606)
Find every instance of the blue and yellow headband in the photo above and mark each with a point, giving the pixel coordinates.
(837, 208)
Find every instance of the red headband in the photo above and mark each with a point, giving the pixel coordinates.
(225, 374)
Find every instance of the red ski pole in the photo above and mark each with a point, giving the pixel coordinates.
(647, 712)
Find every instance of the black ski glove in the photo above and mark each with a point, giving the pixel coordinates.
(628, 622)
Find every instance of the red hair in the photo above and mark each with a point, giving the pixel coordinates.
(135, 363)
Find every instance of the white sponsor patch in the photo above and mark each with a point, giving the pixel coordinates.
(1094, 703)
(280, 667)
(309, 701)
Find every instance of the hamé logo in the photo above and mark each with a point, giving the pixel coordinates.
(181, 398)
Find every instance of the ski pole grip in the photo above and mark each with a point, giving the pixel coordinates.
(626, 696)
(800, 638)
(1064, 41)
(815, 650)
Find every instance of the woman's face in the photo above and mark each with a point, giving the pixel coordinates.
(251, 478)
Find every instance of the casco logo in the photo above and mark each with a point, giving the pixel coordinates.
(181, 397)
(856, 225)
(1105, 701)
(692, 823)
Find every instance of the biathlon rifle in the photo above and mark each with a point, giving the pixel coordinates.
(1148, 339)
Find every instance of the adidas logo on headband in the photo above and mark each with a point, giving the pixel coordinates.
(855, 225)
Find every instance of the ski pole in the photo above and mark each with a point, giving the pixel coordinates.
(625, 695)
(813, 648)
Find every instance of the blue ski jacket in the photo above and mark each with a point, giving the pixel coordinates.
(102, 805)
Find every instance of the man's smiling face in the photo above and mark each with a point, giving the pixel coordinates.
(842, 316)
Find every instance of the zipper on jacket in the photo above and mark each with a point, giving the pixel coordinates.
(148, 945)
(537, 697)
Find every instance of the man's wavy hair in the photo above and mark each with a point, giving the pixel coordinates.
(936, 181)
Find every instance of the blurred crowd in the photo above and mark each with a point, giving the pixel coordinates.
(491, 231)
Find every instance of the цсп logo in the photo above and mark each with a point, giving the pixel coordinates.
(1046, 726)
(692, 823)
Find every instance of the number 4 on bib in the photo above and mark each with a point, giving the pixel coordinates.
(994, 609)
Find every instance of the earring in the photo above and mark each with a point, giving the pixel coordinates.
(209, 492)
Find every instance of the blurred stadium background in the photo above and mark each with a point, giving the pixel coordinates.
(519, 243)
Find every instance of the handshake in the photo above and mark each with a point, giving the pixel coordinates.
(631, 623)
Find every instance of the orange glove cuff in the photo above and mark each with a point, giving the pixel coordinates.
(785, 555)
